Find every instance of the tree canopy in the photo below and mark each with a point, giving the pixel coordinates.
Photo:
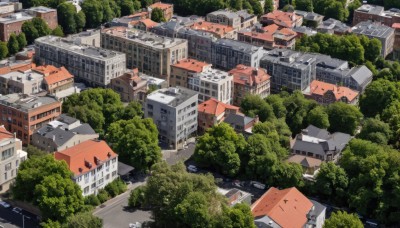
(343, 118)
(342, 219)
(69, 19)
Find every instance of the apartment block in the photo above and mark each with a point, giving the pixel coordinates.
(238, 20)
(125, 20)
(93, 164)
(212, 83)
(150, 53)
(167, 9)
(49, 15)
(289, 70)
(92, 65)
(376, 14)
(55, 79)
(130, 86)
(227, 54)
(12, 156)
(23, 114)
(184, 69)
(217, 30)
(12, 24)
(174, 111)
(7, 8)
(249, 80)
(62, 133)
(282, 19)
(383, 33)
(88, 37)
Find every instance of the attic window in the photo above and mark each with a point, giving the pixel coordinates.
(109, 154)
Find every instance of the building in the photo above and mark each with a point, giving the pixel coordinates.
(92, 65)
(153, 82)
(287, 208)
(212, 83)
(130, 86)
(303, 30)
(7, 8)
(227, 54)
(249, 80)
(212, 112)
(320, 144)
(289, 70)
(184, 69)
(144, 24)
(49, 15)
(174, 111)
(282, 19)
(172, 27)
(235, 196)
(12, 156)
(93, 164)
(150, 53)
(167, 9)
(383, 33)
(326, 93)
(23, 114)
(25, 82)
(238, 20)
(125, 20)
(12, 64)
(88, 37)
(241, 123)
(217, 30)
(376, 13)
(62, 133)
(310, 19)
(396, 43)
(310, 165)
(55, 79)
(333, 26)
(269, 37)
(12, 24)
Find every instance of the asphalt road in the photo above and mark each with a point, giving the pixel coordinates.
(181, 155)
(10, 219)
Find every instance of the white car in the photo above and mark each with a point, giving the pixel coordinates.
(257, 185)
(4, 204)
(17, 210)
(135, 225)
(192, 168)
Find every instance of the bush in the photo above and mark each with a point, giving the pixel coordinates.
(116, 187)
(137, 197)
(103, 196)
(92, 200)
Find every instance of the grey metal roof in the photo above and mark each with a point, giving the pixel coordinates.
(239, 46)
(373, 29)
(265, 222)
(238, 119)
(317, 132)
(124, 169)
(361, 74)
(66, 119)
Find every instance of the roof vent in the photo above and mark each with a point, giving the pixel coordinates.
(88, 164)
(109, 154)
(80, 170)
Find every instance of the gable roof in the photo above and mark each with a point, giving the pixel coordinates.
(215, 28)
(160, 5)
(192, 65)
(238, 119)
(215, 107)
(249, 75)
(317, 132)
(288, 207)
(284, 19)
(305, 161)
(4, 134)
(86, 156)
(321, 88)
(53, 74)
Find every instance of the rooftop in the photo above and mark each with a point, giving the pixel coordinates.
(160, 5)
(215, 107)
(304, 161)
(238, 46)
(238, 119)
(321, 88)
(372, 29)
(23, 76)
(219, 29)
(284, 19)
(26, 102)
(231, 14)
(147, 22)
(172, 96)
(192, 65)
(270, 33)
(246, 75)
(4, 134)
(212, 75)
(53, 74)
(290, 58)
(371, 9)
(333, 24)
(41, 9)
(310, 16)
(15, 17)
(305, 30)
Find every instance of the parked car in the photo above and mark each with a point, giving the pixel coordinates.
(192, 168)
(4, 204)
(17, 210)
(237, 183)
(135, 225)
(257, 185)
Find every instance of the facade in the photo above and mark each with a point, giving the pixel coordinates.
(320, 144)
(269, 37)
(212, 112)
(55, 79)
(49, 15)
(130, 86)
(238, 20)
(282, 19)
(217, 30)
(184, 69)
(22, 114)
(376, 13)
(310, 19)
(289, 70)
(174, 111)
(396, 44)
(62, 133)
(12, 156)
(326, 93)
(249, 80)
(287, 208)
(92, 65)
(151, 54)
(88, 37)
(168, 9)
(332, 26)
(7, 8)
(227, 54)
(212, 83)
(93, 164)
(12, 24)
(383, 33)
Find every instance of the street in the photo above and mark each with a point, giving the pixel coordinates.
(10, 219)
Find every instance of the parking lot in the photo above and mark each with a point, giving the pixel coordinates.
(12, 219)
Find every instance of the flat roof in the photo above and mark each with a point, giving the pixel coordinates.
(373, 29)
(15, 17)
(26, 102)
(172, 96)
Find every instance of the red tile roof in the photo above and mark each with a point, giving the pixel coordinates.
(160, 5)
(288, 207)
(4, 134)
(191, 65)
(219, 29)
(215, 107)
(283, 19)
(246, 75)
(16, 67)
(396, 26)
(78, 157)
(147, 22)
(53, 74)
(320, 88)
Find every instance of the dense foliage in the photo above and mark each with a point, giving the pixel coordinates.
(343, 219)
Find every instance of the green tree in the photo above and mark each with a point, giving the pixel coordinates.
(12, 45)
(30, 31)
(276, 102)
(80, 19)
(157, 15)
(305, 5)
(133, 109)
(41, 26)
(239, 216)
(341, 219)
(337, 11)
(236, 4)
(83, 220)
(93, 11)
(254, 105)
(108, 13)
(373, 50)
(257, 7)
(331, 182)
(297, 107)
(57, 32)
(126, 7)
(3, 50)
(375, 131)
(66, 14)
(353, 6)
(276, 130)
(343, 118)
(137, 197)
(219, 148)
(22, 41)
(289, 175)
(268, 6)
(34, 151)
(248, 7)
(135, 141)
(318, 117)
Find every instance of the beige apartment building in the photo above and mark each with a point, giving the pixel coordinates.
(185, 68)
(150, 53)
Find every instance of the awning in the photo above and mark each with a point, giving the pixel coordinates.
(124, 169)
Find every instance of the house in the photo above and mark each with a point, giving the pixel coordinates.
(62, 133)
(218, 30)
(241, 123)
(144, 24)
(326, 93)
(212, 112)
(310, 19)
(235, 196)
(310, 165)
(333, 26)
(396, 44)
(249, 80)
(125, 20)
(167, 9)
(184, 69)
(130, 86)
(12, 156)
(303, 30)
(93, 164)
(238, 20)
(282, 19)
(55, 79)
(320, 144)
(287, 208)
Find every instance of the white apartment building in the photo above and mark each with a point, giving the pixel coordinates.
(93, 164)
(11, 157)
(212, 83)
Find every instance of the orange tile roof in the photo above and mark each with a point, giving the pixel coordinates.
(53, 74)
(284, 19)
(271, 32)
(4, 134)
(192, 65)
(396, 26)
(147, 22)
(287, 207)
(160, 5)
(246, 75)
(93, 152)
(215, 107)
(16, 67)
(320, 88)
(140, 14)
(218, 29)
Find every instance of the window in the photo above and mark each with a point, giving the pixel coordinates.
(7, 153)
(5, 176)
(8, 166)
(86, 190)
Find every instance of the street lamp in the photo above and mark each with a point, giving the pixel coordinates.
(23, 221)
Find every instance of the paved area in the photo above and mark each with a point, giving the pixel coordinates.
(10, 219)
(180, 155)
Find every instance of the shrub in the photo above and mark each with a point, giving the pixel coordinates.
(103, 196)
(137, 197)
(92, 200)
(116, 187)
